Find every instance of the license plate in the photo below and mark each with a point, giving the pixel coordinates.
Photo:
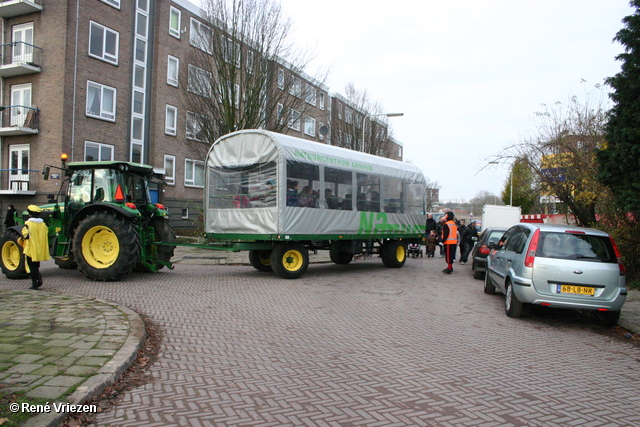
(580, 290)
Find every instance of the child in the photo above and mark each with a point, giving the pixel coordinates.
(432, 242)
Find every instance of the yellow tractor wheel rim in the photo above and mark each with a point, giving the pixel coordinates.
(100, 247)
(292, 260)
(400, 253)
(11, 255)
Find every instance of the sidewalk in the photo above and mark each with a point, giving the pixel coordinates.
(65, 348)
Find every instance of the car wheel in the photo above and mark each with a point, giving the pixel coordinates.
(512, 306)
(489, 287)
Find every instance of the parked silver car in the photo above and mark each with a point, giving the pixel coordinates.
(558, 266)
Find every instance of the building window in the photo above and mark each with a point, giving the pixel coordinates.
(320, 134)
(114, 3)
(294, 120)
(322, 100)
(138, 102)
(250, 61)
(139, 76)
(185, 213)
(310, 126)
(170, 169)
(193, 173)
(296, 87)
(95, 151)
(101, 101)
(196, 127)
(141, 50)
(348, 115)
(310, 95)
(142, 22)
(103, 43)
(199, 81)
(174, 22)
(136, 152)
(201, 36)
(231, 52)
(171, 120)
(173, 67)
(280, 78)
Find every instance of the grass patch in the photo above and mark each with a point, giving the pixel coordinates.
(14, 419)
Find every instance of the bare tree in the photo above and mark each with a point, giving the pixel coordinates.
(481, 199)
(433, 194)
(377, 137)
(562, 154)
(244, 73)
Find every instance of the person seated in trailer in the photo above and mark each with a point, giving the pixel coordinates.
(374, 202)
(292, 193)
(331, 202)
(306, 199)
(361, 202)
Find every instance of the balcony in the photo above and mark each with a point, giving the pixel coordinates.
(19, 182)
(19, 58)
(9, 8)
(19, 120)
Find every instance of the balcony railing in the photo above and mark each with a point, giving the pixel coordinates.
(19, 120)
(9, 8)
(18, 58)
(18, 181)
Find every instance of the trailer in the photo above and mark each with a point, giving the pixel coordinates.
(280, 197)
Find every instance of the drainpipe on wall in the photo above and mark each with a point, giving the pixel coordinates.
(75, 86)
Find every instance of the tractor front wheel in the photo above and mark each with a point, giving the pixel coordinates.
(13, 264)
(105, 246)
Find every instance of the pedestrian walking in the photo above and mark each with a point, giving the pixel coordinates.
(9, 220)
(36, 244)
(450, 241)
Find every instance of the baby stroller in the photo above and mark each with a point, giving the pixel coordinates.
(414, 250)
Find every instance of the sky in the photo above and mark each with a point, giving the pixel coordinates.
(468, 75)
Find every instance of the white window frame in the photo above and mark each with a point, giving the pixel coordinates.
(112, 3)
(294, 120)
(296, 87)
(173, 80)
(190, 181)
(104, 56)
(201, 36)
(192, 120)
(321, 100)
(170, 180)
(309, 126)
(311, 93)
(320, 135)
(230, 48)
(280, 78)
(175, 32)
(100, 146)
(185, 213)
(251, 57)
(104, 114)
(199, 81)
(171, 126)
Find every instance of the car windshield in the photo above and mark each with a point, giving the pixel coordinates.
(574, 246)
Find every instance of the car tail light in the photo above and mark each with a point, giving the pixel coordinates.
(484, 250)
(623, 270)
(531, 250)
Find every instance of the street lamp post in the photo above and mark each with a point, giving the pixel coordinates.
(364, 122)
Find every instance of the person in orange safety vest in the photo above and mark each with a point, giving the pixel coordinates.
(450, 240)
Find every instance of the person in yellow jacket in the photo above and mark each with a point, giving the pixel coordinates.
(36, 244)
(450, 240)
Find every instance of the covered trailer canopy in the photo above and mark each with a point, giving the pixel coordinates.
(262, 185)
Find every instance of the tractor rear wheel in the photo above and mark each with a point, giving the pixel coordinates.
(105, 246)
(13, 264)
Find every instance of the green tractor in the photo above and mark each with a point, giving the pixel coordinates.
(106, 226)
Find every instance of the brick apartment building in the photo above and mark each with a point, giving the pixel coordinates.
(108, 80)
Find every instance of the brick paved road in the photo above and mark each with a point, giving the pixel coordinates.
(362, 345)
